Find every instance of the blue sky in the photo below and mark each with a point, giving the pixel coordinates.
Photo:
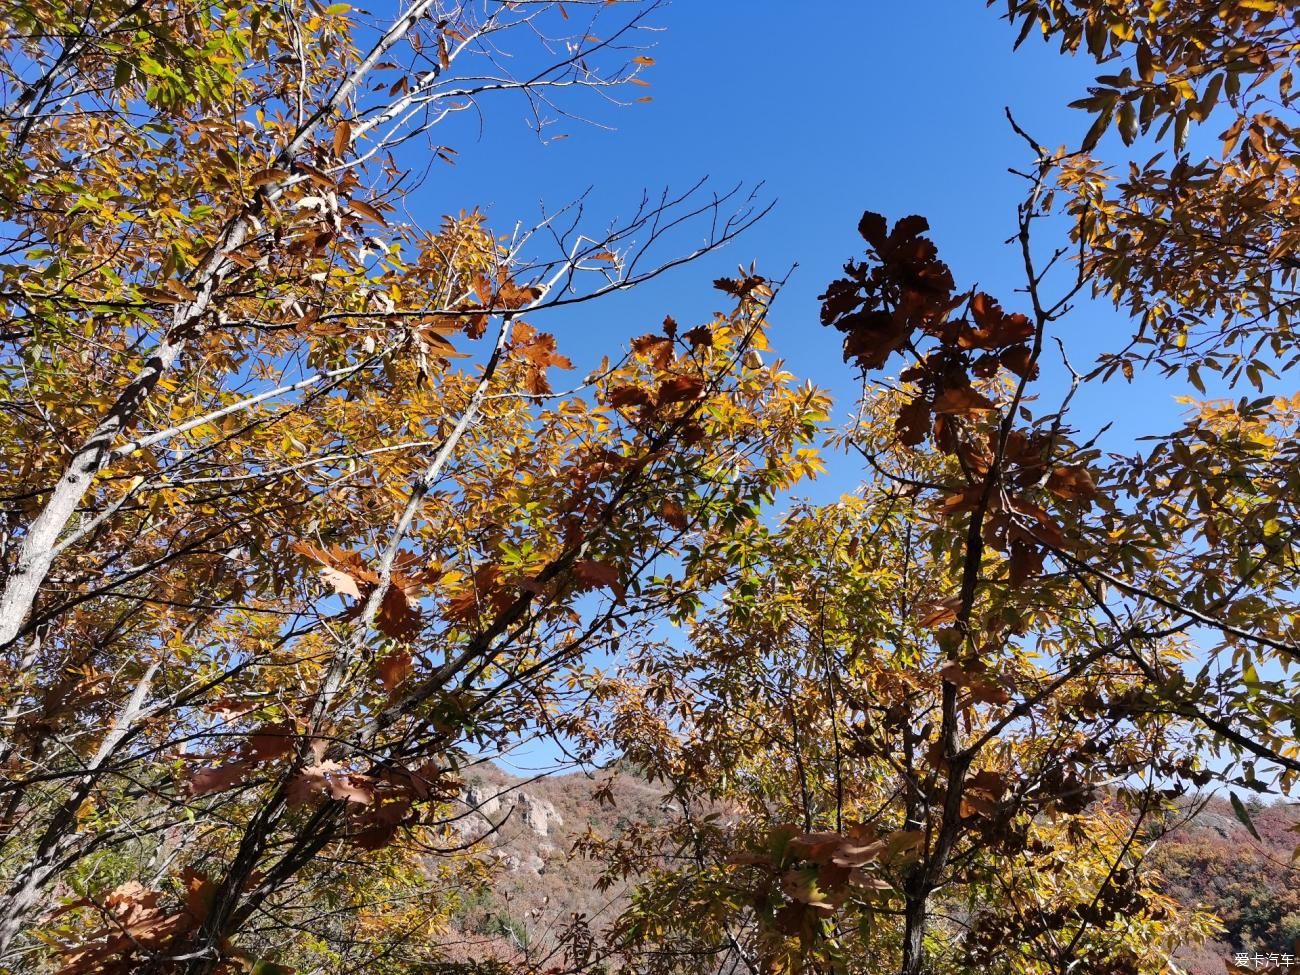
(840, 107)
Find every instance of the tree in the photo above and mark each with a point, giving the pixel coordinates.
(1144, 602)
(1199, 249)
(274, 565)
(812, 781)
(271, 562)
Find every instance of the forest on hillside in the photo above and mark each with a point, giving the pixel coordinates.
(326, 496)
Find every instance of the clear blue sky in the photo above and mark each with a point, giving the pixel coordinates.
(837, 106)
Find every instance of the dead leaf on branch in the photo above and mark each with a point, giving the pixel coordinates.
(399, 616)
(658, 348)
(393, 669)
(136, 925)
(680, 389)
(1072, 484)
(962, 400)
(940, 613)
(328, 778)
(218, 779)
(597, 574)
(270, 741)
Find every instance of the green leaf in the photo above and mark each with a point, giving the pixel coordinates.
(1097, 131)
(1239, 808)
(1128, 123)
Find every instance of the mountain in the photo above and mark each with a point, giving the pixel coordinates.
(538, 883)
(1215, 861)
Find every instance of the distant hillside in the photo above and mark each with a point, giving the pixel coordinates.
(1250, 884)
(530, 828)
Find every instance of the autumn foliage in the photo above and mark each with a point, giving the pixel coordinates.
(306, 505)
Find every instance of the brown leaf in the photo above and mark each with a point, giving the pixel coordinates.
(680, 389)
(342, 583)
(158, 296)
(851, 855)
(1026, 562)
(309, 783)
(1019, 360)
(217, 779)
(995, 327)
(940, 613)
(874, 229)
(1072, 483)
(953, 672)
(961, 400)
(629, 396)
(316, 176)
(268, 742)
(913, 423)
(987, 692)
(264, 177)
(352, 788)
(903, 845)
(659, 349)
(199, 894)
(342, 138)
(1045, 529)
(366, 210)
(596, 573)
(964, 500)
(229, 708)
(393, 670)
(988, 782)
(700, 337)
(540, 351)
(740, 287)
(399, 614)
(674, 514)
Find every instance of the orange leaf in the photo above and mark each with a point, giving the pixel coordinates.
(393, 670)
(961, 400)
(628, 396)
(366, 210)
(342, 583)
(217, 779)
(941, 612)
(680, 389)
(399, 614)
(1072, 484)
(673, 513)
(268, 742)
(658, 347)
(265, 177)
(342, 138)
(952, 672)
(596, 573)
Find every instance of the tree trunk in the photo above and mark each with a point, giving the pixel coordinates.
(914, 935)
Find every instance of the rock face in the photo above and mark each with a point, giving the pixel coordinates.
(482, 799)
(1220, 825)
(537, 814)
(513, 823)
